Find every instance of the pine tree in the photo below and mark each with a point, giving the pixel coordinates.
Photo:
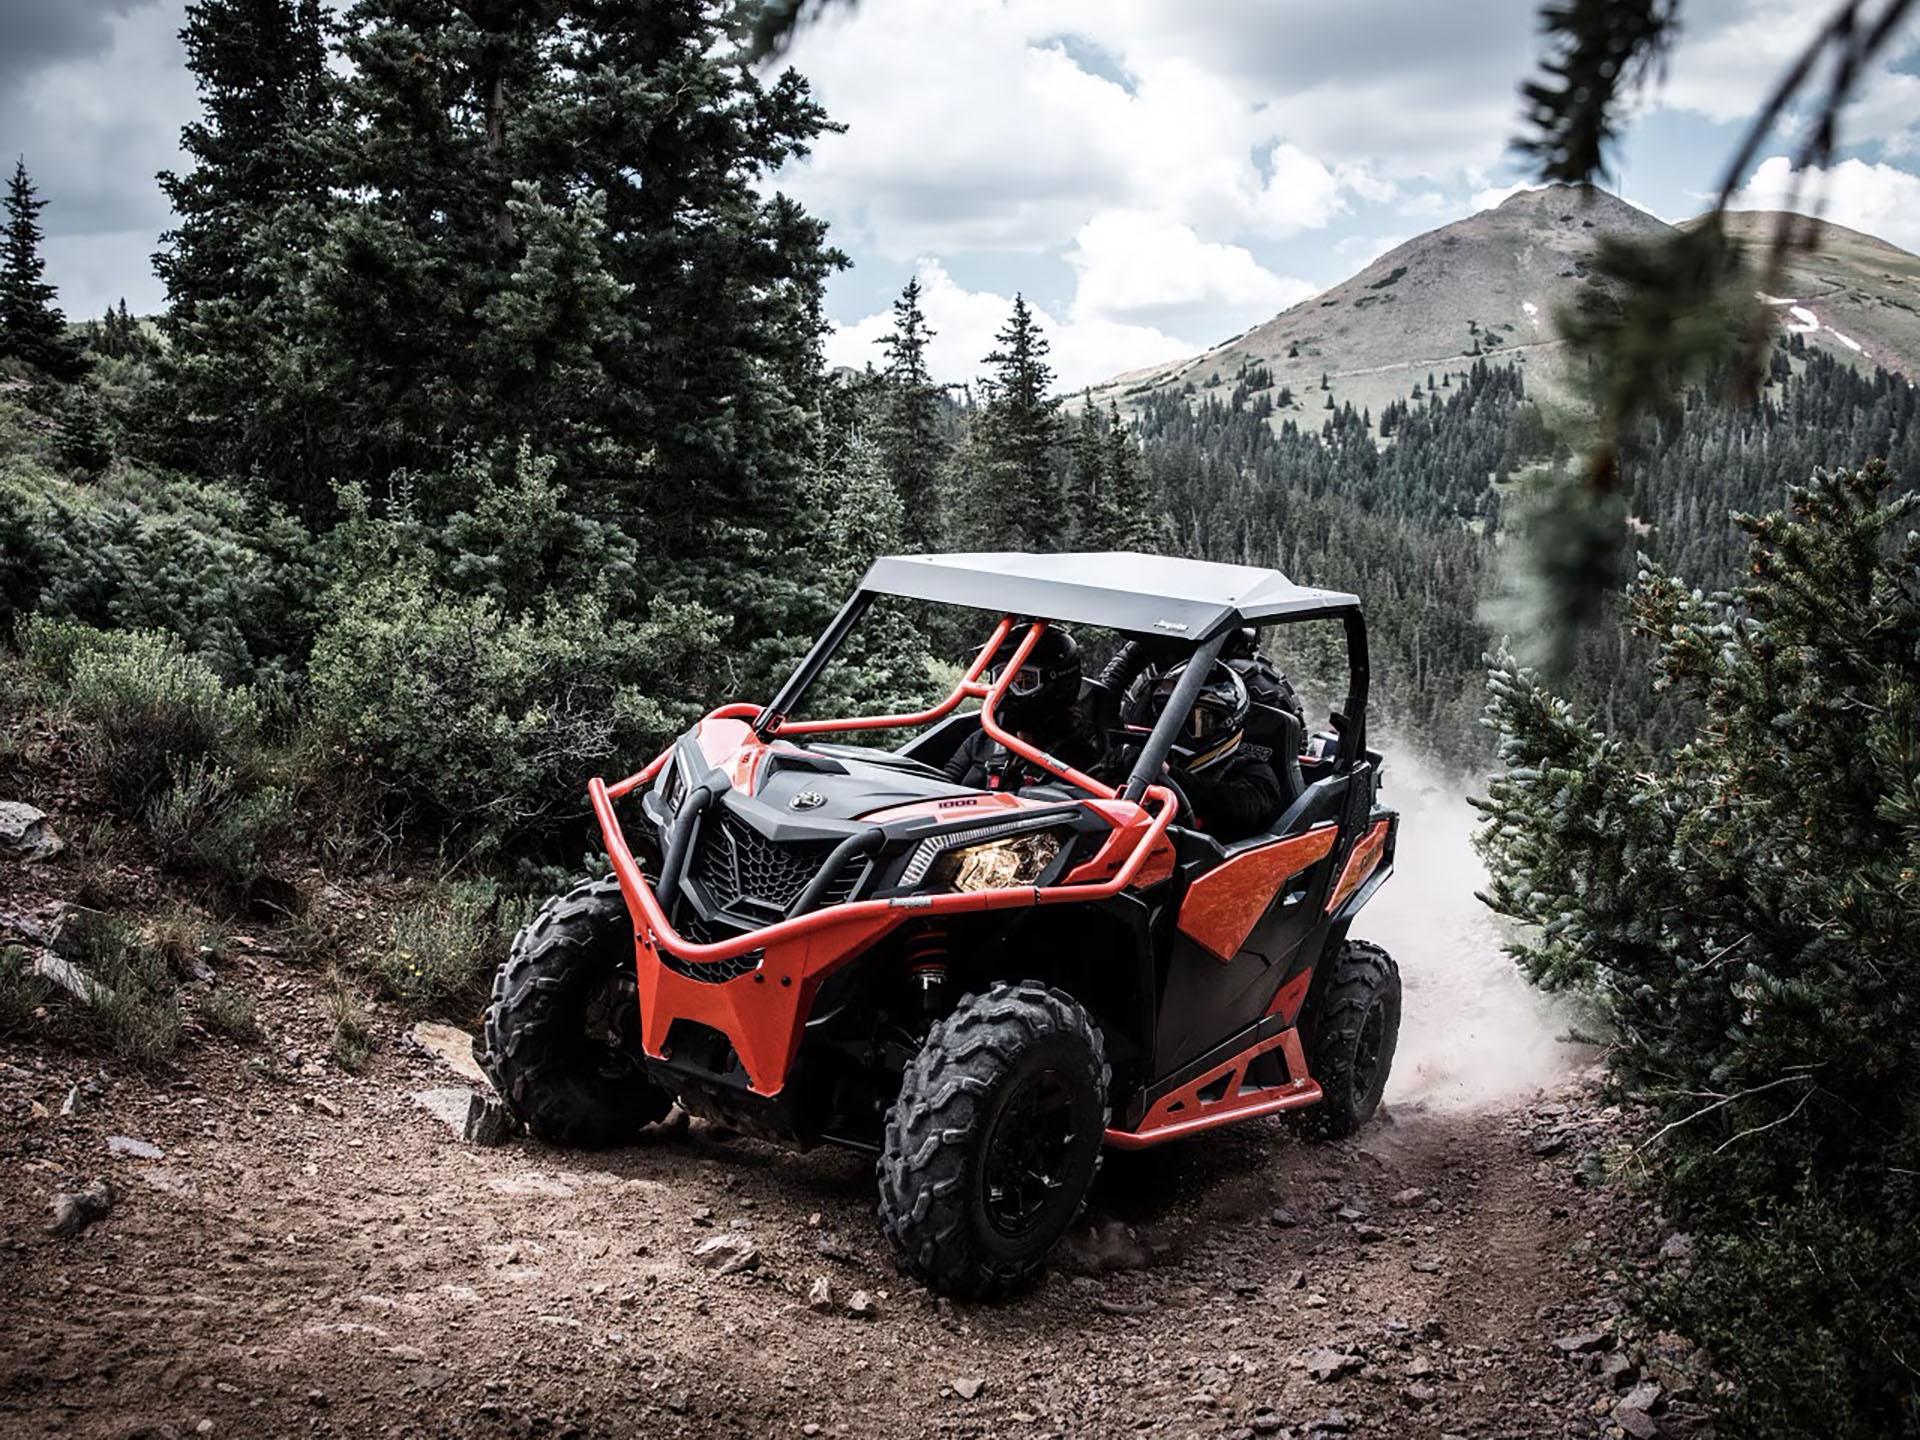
(1739, 905)
(248, 203)
(260, 67)
(32, 329)
(1020, 428)
(909, 431)
(81, 439)
(1133, 519)
(1087, 480)
(548, 222)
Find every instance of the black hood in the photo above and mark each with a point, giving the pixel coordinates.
(848, 787)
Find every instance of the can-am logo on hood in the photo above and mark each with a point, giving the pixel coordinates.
(807, 800)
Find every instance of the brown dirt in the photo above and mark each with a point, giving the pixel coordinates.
(315, 1254)
(285, 1268)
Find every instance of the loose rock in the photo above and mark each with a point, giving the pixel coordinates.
(820, 1296)
(450, 1045)
(26, 833)
(728, 1253)
(133, 1148)
(448, 1106)
(861, 1305)
(1582, 1341)
(968, 1387)
(74, 1210)
(489, 1123)
(1325, 1363)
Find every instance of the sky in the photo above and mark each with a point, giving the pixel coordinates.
(1153, 175)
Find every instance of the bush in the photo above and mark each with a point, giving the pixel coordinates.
(490, 722)
(235, 583)
(230, 1012)
(208, 823)
(135, 1003)
(151, 707)
(445, 948)
(351, 1038)
(21, 991)
(1743, 908)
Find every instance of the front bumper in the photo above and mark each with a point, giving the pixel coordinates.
(757, 988)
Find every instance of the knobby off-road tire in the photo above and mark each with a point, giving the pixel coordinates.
(562, 1031)
(1351, 1039)
(994, 1141)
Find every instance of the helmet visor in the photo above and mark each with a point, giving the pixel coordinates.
(1027, 680)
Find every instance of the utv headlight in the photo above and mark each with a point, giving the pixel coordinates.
(998, 864)
(996, 857)
(675, 789)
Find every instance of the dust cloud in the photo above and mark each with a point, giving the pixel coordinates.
(1473, 1033)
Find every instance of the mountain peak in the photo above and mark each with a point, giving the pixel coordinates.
(1487, 287)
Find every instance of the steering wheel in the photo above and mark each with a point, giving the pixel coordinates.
(1123, 741)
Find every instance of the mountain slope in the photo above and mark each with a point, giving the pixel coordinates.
(1852, 294)
(1490, 284)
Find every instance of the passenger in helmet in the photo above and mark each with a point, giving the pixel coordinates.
(1041, 706)
(1234, 792)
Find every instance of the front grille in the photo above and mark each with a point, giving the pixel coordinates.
(745, 873)
(711, 972)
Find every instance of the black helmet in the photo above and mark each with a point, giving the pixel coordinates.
(1047, 685)
(1216, 724)
(1241, 644)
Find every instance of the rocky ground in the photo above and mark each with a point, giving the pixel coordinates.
(252, 1241)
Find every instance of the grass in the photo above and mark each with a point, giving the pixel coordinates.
(186, 942)
(230, 1012)
(21, 991)
(352, 1042)
(444, 948)
(135, 1010)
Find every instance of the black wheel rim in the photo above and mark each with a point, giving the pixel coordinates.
(1027, 1154)
(610, 1029)
(1366, 1055)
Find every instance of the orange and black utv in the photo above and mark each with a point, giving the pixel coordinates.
(812, 940)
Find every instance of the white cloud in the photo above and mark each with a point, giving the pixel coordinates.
(1085, 349)
(1361, 251)
(1731, 53)
(1144, 269)
(971, 125)
(1496, 195)
(1881, 199)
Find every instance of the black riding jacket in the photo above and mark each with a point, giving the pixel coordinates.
(1238, 798)
(982, 763)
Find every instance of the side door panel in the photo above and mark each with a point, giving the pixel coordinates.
(1245, 919)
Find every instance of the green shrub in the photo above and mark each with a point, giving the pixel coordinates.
(208, 823)
(51, 647)
(235, 583)
(151, 709)
(1743, 909)
(21, 991)
(231, 1012)
(187, 943)
(491, 722)
(444, 948)
(135, 1002)
(351, 1029)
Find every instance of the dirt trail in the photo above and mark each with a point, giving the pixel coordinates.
(285, 1268)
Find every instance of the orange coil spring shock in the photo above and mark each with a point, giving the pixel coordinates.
(927, 967)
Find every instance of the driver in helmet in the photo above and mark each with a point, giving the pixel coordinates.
(1233, 790)
(1041, 706)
